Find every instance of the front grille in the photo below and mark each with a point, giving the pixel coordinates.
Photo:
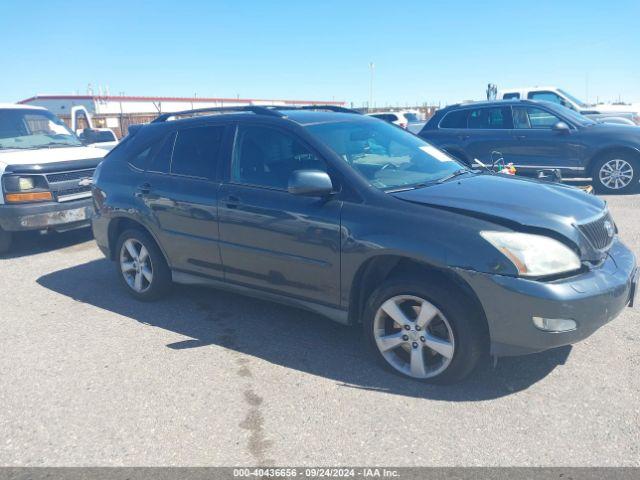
(73, 191)
(600, 232)
(68, 176)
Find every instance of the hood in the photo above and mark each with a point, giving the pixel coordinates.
(518, 203)
(43, 156)
(627, 132)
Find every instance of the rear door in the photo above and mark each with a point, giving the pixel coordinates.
(181, 192)
(538, 146)
(488, 135)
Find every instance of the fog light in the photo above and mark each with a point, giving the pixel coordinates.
(554, 324)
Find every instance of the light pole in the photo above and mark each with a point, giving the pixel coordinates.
(371, 69)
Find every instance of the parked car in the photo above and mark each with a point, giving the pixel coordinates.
(45, 172)
(402, 118)
(559, 96)
(362, 222)
(82, 124)
(540, 135)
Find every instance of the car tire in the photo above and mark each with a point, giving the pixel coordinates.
(142, 268)
(457, 322)
(605, 168)
(5, 240)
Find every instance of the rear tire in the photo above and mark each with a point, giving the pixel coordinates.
(616, 173)
(5, 240)
(457, 330)
(142, 268)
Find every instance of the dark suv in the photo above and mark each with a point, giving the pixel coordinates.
(535, 135)
(358, 220)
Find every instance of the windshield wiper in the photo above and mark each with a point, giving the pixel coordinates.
(457, 173)
(406, 188)
(60, 144)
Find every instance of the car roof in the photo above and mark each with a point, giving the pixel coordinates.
(494, 103)
(300, 116)
(18, 106)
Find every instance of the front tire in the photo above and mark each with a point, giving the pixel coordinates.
(5, 240)
(142, 268)
(616, 173)
(424, 330)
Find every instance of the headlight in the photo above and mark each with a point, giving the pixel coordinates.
(534, 255)
(26, 183)
(24, 189)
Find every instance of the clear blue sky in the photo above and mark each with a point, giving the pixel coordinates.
(424, 51)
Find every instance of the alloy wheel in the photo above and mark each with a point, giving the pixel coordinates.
(616, 174)
(414, 336)
(136, 266)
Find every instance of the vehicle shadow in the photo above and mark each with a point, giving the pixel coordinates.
(31, 243)
(286, 336)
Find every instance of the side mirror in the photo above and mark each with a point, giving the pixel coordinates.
(310, 183)
(561, 127)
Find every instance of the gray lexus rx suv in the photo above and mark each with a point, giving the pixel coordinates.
(360, 221)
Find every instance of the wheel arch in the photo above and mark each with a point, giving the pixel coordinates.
(380, 268)
(119, 224)
(611, 150)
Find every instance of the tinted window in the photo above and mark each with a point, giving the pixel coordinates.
(267, 157)
(411, 117)
(455, 119)
(507, 96)
(196, 150)
(546, 96)
(532, 117)
(162, 159)
(487, 118)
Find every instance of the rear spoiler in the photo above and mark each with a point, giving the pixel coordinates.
(133, 129)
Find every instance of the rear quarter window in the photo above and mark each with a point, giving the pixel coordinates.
(455, 119)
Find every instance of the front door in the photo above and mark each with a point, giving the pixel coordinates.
(270, 239)
(538, 146)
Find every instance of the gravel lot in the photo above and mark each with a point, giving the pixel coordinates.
(91, 377)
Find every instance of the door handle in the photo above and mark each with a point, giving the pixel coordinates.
(521, 137)
(143, 189)
(463, 137)
(232, 201)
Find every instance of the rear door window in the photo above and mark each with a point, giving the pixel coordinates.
(507, 96)
(196, 151)
(490, 118)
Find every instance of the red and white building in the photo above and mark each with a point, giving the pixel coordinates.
(119, 111)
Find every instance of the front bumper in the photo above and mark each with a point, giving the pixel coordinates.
(45, 216)
(591, 299)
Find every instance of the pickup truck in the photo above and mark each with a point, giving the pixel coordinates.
(45, 173)
(602, 112)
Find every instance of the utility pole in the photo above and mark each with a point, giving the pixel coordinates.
(371, 69)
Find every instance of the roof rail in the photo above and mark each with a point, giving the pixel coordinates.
(258, 110)
(332, 108)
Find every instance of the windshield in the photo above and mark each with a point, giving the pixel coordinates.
(572, 115)
(580, 103)
(28, 129)
(387, 156)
